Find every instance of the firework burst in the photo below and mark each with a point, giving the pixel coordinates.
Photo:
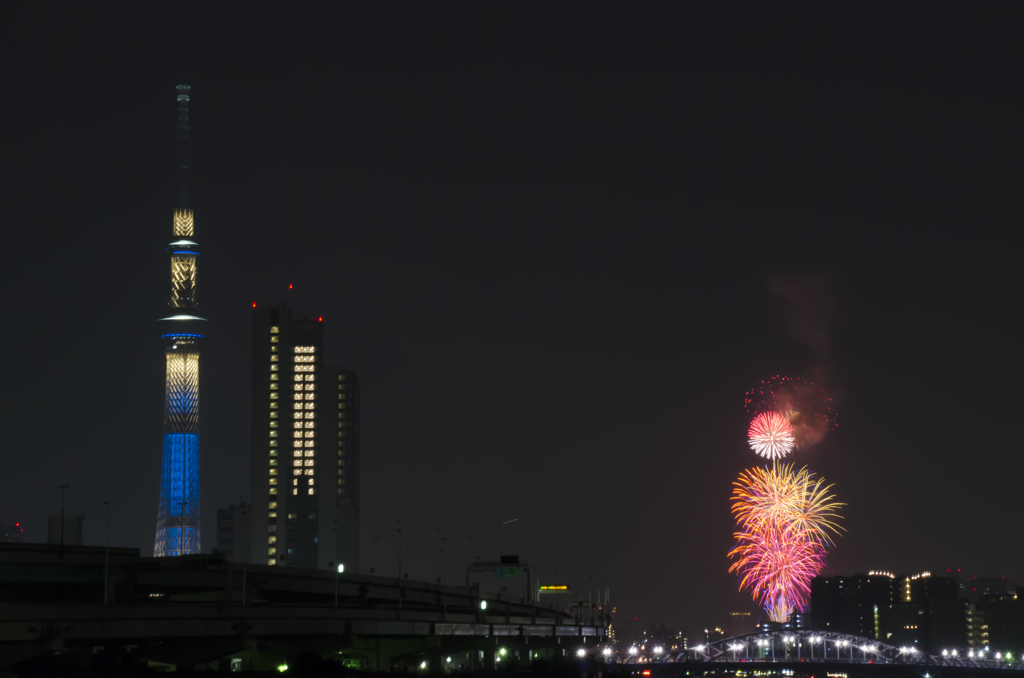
(785, 519)
(771, 435)
(810, 411)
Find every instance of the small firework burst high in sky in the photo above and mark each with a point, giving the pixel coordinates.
(810, 411)
(771, 435)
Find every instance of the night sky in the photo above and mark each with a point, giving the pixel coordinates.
(558, 245)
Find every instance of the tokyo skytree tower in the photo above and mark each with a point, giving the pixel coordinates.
(182, 332)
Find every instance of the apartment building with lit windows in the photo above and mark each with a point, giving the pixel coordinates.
(305, 447)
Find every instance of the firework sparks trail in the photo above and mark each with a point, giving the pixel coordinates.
(771, 435)
(810, 411)
(784, 523)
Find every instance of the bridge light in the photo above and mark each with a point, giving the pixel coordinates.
(483, 604)
(658, 649)
(632, 650)
(607, 651)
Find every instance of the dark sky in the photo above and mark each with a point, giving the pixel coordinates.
(550, 240)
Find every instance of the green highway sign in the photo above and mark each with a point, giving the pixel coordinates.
(506, 572)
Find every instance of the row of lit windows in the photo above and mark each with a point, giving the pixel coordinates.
(305, 358)
(305, 349)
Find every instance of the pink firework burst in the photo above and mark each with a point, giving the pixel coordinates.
(771, 435)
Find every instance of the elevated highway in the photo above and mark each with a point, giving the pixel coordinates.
(204, 611)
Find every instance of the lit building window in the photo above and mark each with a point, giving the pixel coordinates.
(309, 434)
(309, 396)
(273, 462)
(298, 462)
(273, 481)
(310, 443)
(309, 424)
(310, 406)
(309, 472)
(297, 472)
(298, 396)
(309, 415)
(298, 377)
(273, 471)
(273, 490)
(272, 551)
(273, 396)
(274, 340)
(311, 491)
(295, 481)
(309, 462)
(274, 330)
(271, 540)
(295, 491)
(273, 514)
(310, 453)
(274, 358)
(273, 415)
(273, 505)
(273, 434)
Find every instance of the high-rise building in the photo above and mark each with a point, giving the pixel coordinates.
(859, 604)
(182, 332)
(233, 532)
(305, 447)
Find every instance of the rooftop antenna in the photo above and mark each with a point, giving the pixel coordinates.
(183, 161)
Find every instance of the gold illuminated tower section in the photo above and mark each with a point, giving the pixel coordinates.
(182, 332)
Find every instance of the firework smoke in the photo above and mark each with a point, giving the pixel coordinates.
(810, 411)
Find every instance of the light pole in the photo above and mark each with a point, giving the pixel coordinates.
(399, 530)
(341, 568)
(181, 549)
(245, 557)
(62, 488)
(106, 558)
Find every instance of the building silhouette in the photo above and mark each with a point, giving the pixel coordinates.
(305, 447)
(182, 332)
(233, 531)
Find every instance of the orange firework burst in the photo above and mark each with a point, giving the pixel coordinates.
(785, 519)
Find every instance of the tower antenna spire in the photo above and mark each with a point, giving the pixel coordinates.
(183, 160)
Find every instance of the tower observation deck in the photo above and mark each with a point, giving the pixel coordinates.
(182, 332)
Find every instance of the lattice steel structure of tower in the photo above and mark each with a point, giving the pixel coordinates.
(182, 332)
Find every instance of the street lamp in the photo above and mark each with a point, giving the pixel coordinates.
(341, 568)
(607, 652)
(813, 640)
(658, 649)
(62, 488)
(106, 558)
(633, 650)
(581, 653)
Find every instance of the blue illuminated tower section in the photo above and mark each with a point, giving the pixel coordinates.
(182, 332)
